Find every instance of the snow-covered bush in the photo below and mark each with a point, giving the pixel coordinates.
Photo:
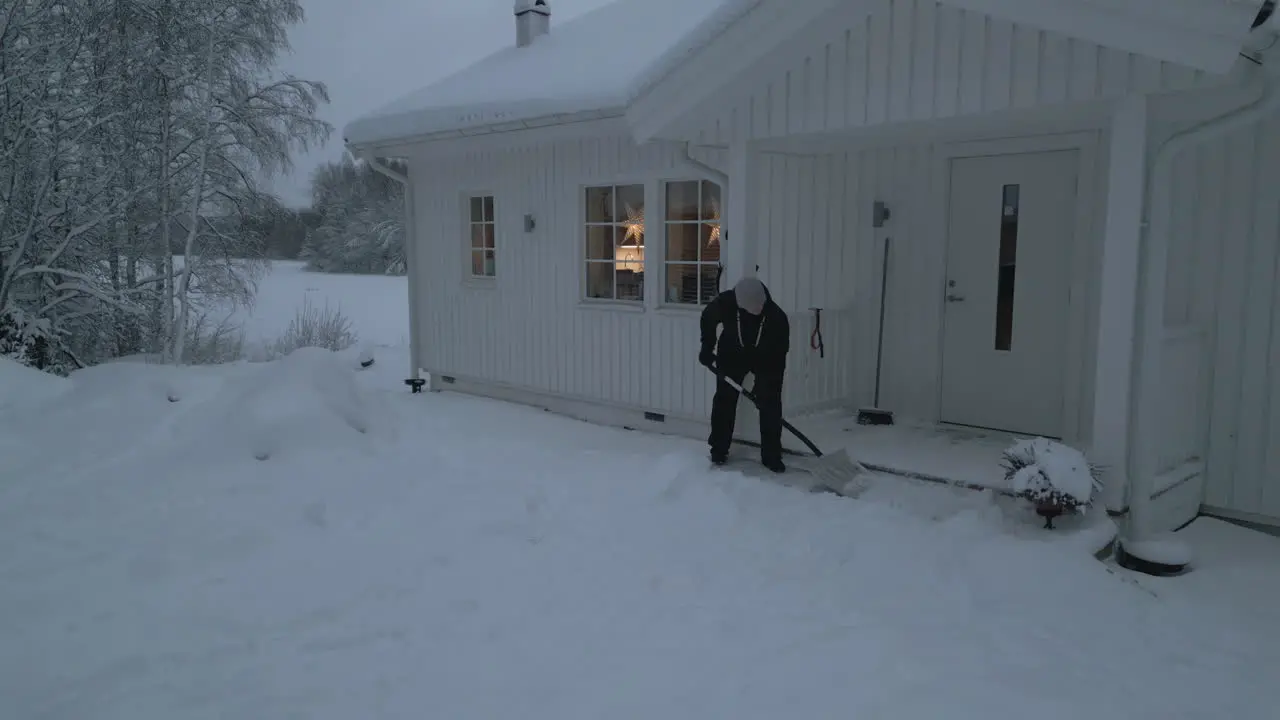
(1055, 477)
(315, 327)
(32, 342)
(212, 342)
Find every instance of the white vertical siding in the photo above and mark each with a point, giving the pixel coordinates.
(915, 60)
(1223, 292)
(817, 248)
(529, 329)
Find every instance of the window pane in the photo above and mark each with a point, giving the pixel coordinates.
(599, 204)
(600, 280)
(630, 258)
(477, 211)
(1007, 267)
(477, 235)
(477, 262)
(682, 243)
(490, 267)
(488, 235)
(682, 200)
(710, 286)
(630, 280)
(682, 283)
(710, 200)
(630, 235)
(630, 205)
(488, 208)
(600, 242)
(709, 243)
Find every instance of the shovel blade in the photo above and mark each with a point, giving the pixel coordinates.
(837, 473)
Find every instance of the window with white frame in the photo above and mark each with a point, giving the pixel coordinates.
(615, 243)
(692, 229)
(481, 235)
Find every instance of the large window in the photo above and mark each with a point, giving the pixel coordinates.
(692, 229)
(480, 231)
(615, 243)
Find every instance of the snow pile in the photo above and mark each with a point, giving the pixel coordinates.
(307, 400)
(21, 385)
(1165, 549)
(103, 385)
(498, 561)
(1044, 471)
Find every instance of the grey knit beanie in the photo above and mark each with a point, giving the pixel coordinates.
(750, 295)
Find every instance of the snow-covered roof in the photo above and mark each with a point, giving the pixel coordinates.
(592, 65)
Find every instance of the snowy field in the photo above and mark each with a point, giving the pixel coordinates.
(378, 305)
(302, 539)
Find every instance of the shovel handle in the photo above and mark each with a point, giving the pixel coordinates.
(750, 396)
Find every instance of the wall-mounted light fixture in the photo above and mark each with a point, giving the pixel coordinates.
(879, 214)
(529, 223)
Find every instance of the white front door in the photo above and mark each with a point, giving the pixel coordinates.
(1011, 222)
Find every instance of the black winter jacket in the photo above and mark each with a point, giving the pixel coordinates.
(767, 358)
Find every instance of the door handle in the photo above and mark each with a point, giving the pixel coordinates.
(955, 298)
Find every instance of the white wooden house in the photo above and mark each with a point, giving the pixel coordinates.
(1083, 205)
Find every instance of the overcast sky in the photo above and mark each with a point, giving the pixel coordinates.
(370, 52)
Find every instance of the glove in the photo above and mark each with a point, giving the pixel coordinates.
(708, 357)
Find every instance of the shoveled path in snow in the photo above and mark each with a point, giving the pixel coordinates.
(464, 558)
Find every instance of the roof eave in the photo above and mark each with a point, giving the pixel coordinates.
(1205, 35)
(401, 145)
(747, 39)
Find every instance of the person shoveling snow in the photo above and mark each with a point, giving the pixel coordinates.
(756, 339)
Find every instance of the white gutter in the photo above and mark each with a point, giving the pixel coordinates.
(411, 256)
(1144, 464)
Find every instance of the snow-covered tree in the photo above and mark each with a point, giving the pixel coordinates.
(360, 227)
(131, 132)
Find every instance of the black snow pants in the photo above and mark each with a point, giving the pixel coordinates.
(724, 407)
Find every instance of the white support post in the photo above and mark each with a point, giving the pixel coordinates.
(738, 242)
(738, 239)
(1117, 307)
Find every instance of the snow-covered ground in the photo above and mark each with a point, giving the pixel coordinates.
(302, 539)
(378, 305)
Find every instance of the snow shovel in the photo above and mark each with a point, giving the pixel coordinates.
(837, 472)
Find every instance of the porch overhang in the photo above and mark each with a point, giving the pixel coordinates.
(1204, 35)
(718, 51)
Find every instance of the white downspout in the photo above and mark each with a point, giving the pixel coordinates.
(721, 178)
(1144, 463)
(411, 257)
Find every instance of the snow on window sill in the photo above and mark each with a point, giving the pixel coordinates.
(480, 282)
(618, 305)
(680, 309)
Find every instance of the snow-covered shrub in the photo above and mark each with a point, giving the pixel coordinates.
(32, 342)
(1056, 478)
(316, 327)
(213, 342)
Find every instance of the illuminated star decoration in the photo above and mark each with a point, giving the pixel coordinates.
(635, 225)
(715, 226)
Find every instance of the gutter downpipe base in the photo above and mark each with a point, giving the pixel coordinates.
(1154, 250)
(410, 251)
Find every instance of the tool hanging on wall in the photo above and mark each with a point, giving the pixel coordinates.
(815, 337)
